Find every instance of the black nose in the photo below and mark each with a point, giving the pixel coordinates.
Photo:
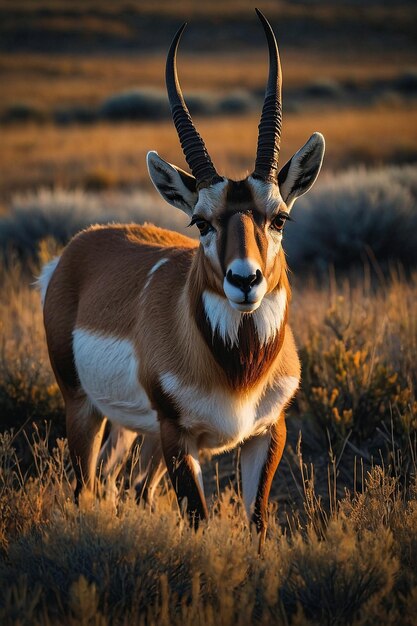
(245, 283)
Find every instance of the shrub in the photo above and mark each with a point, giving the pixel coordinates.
(150, 103)
(75, 114)
(23, 112)
(324, 88)
(135, 104)
(353, 217)
(357, 355)
(98, 179)
(237, 102)
(352, 390)
(345, 221)
(61, 214)
(28, 390)
(407, 82)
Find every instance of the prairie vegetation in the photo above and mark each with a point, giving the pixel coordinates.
(82, 102)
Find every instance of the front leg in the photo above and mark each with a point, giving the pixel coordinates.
(260, 458)
(181, 458)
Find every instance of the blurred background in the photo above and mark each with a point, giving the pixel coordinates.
(83, 99)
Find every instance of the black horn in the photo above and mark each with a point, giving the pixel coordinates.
(269, 137)
(192, 144)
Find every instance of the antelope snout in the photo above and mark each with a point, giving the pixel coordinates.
(244, 285)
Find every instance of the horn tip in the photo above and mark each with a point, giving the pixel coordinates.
(181, 30)
(178, 34)
(260, 14)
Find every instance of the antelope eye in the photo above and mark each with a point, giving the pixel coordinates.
(279, 221)
(203, 226)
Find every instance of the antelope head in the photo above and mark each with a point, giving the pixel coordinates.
(240, 222)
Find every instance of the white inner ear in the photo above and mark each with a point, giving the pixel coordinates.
(169, 184)
(303, 169)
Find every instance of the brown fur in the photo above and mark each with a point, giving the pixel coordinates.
(245, 238)
(276, 449)
(181, 471)
(244, 363)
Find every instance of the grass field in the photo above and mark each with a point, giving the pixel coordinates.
(64, 79)
(105, 156)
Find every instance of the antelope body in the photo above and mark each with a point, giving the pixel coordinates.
(185, 342)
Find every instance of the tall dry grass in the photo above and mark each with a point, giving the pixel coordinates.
(107, 562)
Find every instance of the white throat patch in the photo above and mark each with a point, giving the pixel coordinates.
(226, 321)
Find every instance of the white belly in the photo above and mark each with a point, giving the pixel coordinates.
(221, 419)
(108, 371)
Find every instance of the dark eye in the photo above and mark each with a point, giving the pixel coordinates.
(279, 221)
(203, 226)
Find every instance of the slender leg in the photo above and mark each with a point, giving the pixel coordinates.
(115, 450)
(151, 468)
(181, 458)
(260, 458)
(85, 428)
(114, 454)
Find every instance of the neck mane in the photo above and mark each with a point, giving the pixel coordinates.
(244, 345)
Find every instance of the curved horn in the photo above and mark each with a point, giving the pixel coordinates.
(195, 151)
(269, 137)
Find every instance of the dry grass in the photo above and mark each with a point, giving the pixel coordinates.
(52, 81)
(46, 155)
(108, 562)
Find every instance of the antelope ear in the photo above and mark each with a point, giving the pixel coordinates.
(175, 186)
(300, 173)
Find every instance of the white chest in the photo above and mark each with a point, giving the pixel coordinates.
(221, 419)
(108, 371)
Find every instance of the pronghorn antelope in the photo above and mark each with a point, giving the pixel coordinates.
(185, 342)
